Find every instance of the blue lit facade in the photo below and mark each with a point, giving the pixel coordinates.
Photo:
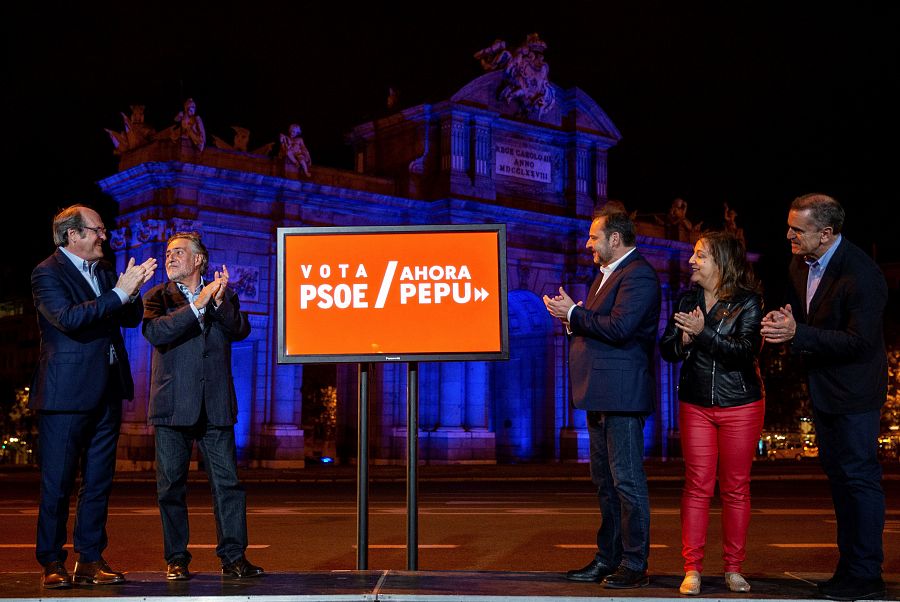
(465, 160)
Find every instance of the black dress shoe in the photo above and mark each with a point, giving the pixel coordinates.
(852, 588)
(625, 578)
(177, 570)
(241, 568)
(55, 576)
(838, 575)
(595, 571)
(96, 573)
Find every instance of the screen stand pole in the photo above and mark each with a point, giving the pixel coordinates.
(412, 462)
(362, 471)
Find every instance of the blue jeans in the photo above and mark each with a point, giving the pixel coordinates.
(173, 456)
(848, 451)
(617, 470)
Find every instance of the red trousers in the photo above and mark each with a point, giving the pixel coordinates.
(726, 438)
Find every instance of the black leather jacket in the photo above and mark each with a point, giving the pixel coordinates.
(720, 365)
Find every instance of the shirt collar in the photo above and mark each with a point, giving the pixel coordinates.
(82, 265)
(187, 292)
(607, 270)
(824, 259)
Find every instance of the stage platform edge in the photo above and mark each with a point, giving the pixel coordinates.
(408, 586)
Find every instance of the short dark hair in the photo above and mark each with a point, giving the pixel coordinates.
(70, 217)
(618, 221)
(824, 210)
(197, 247)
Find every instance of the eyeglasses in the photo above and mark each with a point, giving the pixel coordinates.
(98, 230)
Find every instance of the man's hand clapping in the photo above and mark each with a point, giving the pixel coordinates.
(136, 276)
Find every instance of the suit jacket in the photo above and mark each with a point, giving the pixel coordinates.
(612, 341)
(841, 337)
(77, 328)
(191, 365)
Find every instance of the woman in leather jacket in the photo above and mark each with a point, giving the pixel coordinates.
(714, 332)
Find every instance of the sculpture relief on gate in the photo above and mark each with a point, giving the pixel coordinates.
(525, 75)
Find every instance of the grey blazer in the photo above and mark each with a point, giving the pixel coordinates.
(191, 365)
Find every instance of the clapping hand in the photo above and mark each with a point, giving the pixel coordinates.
(222, 279)
(136, 276)
(208, 293)
(779, 326)
(559, 305)
(691, 324)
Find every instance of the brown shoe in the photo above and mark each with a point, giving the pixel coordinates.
(97, 573)
(55, 576)
(177, 570)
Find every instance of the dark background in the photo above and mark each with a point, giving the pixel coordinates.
(747, 103)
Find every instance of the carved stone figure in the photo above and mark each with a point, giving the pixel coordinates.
(731, 223)
(393, 98)
(241, 140)
(525, 74)
(494, 57)
(189, 125)
(136, 133)
(615, 205)
(677, 225)
(293, 149)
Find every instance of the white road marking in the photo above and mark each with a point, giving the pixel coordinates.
(593, 546)
(199, 546)
(803, 545)
(421, 546)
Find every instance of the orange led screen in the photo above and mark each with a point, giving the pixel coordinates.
(392, 293)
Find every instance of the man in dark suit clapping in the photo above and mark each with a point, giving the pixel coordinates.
(81, 379)
(191, 324)
(612, 336)
(837, 297)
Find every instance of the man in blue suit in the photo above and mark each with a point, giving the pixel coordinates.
(612, 336)
(834, 320)
(82, 376)
(191, 323)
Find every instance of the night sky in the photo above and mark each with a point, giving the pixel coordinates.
(747, 103)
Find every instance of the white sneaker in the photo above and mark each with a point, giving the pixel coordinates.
(736, 582)
(691, 584)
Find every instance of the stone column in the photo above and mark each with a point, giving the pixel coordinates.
(476, 399)
(600, 176)
(483, 167)
(482, 442)
(281, 439)
(579, 177)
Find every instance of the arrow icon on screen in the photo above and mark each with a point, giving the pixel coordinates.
(480, 294)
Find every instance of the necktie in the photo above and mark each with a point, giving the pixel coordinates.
(812, 282)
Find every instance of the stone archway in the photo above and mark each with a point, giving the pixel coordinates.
(524, 416)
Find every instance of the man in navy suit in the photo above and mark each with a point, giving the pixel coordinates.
(191, 324)
(82, 376)
(612, 336)
(837, 297)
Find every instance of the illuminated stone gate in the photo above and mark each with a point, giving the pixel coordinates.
(496, 152)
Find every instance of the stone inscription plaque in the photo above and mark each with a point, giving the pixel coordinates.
(523, 162)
